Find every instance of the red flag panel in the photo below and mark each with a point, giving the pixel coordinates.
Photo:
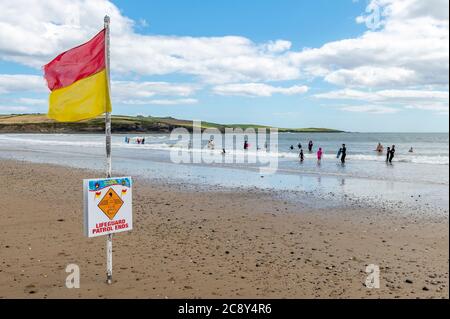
(77, 63)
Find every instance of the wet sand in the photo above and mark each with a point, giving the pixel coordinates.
(189, 243)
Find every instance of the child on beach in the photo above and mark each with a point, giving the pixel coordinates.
(302, 157)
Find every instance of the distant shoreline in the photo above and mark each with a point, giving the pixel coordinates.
(39, 123)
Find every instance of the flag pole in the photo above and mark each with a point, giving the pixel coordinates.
(108, 148)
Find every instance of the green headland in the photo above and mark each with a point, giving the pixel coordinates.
(39, 123)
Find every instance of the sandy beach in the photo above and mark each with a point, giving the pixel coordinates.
(190, 243)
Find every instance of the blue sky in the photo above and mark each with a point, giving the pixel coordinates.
(362, 65)
(305, 23)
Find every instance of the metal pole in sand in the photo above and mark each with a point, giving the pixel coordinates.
(108, 150)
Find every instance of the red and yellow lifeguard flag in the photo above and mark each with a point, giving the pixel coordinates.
(78, 82)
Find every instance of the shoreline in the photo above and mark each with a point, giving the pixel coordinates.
(195, 244)
(327, 196)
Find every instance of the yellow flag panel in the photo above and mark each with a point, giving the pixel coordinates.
(84, 99)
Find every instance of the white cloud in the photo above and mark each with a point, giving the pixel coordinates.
(404, 96)
(433, 101)
(411, 47)
(213, 60)
(24, 83)
(278, 46)
(34, 31)
(31, 101)
(257, 89)
(161, 102)
(439, 108)
(366, 76)
(46, 28)
(371, 109)
(14, 109)
(408, 9)
(10, 83)
(123, 90)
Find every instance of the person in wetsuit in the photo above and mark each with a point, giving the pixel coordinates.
(310, 146)
(392, 154)
(343, 153)
(319, 155)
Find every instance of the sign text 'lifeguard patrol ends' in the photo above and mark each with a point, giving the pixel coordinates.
(107, 206)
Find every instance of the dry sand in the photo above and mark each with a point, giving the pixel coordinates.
(196, 244)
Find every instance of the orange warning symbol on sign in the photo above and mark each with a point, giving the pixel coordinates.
(110, 203)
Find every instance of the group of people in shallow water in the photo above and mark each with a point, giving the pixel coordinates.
(138, 140)
(390, 152)
(342, 152)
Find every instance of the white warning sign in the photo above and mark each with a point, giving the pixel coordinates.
(107, 206)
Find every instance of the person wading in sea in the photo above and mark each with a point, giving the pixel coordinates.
(319, 155)
(310, 146)
(392, 154)
(343, 153)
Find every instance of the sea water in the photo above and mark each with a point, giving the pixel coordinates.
(424, 172)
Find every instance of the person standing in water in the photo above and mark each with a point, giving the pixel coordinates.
(301, 155)
(388, 153)
(319, 155)
(392, 154)
(310, 146)
(379, 148)
(245, 145)
(343, 153)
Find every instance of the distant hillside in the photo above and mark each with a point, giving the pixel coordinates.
(39, 123)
